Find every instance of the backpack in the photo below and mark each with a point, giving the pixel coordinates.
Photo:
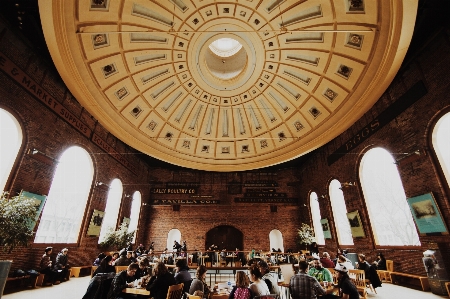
(242, 293)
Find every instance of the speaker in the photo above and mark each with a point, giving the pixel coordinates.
(273, 209)
(176, 208)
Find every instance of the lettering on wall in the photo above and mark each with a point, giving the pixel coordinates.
(266, 200)
(44, 97)
(413, 94)
(168, 202)
(173, 191)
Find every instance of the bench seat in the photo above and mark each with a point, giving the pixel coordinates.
(75, 271)
(410, 280)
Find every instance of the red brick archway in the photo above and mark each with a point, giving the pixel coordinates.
(225, 237)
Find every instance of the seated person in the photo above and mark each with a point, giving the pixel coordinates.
(241, 289)
(62, 265)
(115, 256)
(270, 280)
(347, 288)
(160, 282)
(144, 269)
(123, 279)
(199, 283)
(343, 260)
(99, 258)
(124, 259)
(381, 262)
(370, 271)
(326, 261)
(320, 273)
(140, 250)
(105, 266)
(258, 286)
(47, 268)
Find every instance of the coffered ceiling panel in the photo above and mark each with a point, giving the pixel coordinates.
(227, 85)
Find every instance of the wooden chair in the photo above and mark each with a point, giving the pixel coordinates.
(219, 296)
(390, 265)
(121, 268)
(194, 297)
(359, 279)
(334, 274)
(175, 291)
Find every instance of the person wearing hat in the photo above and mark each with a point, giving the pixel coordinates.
(347, 289)
(270, 280)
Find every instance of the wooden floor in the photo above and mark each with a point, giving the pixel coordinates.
(76, 287)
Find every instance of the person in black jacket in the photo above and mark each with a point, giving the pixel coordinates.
(160, 282)
(122, 280)
(62, 265)
(105, 266)
(381, 262)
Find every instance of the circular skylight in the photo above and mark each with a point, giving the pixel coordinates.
(225, 47)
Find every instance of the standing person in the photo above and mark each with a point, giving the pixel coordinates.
(303, 286)
(62, 264)
(47, 268)
(319, 272)
(347, 290)
(241, 289)
(199, 283)
(160, 282)
(269, 279)
(258, 286)
(122, 280)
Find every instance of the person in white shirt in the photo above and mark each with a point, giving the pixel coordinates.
(258, 286)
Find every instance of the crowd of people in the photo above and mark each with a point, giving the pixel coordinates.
(309, 283)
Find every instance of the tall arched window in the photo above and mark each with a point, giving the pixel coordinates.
(315, 213)
(441, 144)
(339, 208)
(276, 240)
(173, 235)
(389, 213)
(112, 208)
(63, 211)
(10, 141)
(135, 211)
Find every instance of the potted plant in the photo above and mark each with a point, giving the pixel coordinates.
(15, 229)
(306, 235)
(119, 238)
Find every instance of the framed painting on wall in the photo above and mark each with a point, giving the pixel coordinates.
(356, 224)
(426, 214)
(325, 228)
(96, 223)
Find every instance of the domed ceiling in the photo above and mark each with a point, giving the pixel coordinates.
(227, 85)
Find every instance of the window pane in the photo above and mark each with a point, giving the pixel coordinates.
(10, 141)
(340, 214)
(315, 212)
(112, 208)
(389, 213)
(135, 210)
(67, 198)
(441, 144)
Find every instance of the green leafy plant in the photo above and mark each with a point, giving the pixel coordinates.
(15, 216)
(119, 238)
(306, 235)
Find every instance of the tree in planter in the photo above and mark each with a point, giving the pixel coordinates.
(15, 216)
(119, 238)
(306, 235)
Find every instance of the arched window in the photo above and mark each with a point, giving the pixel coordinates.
(276, 240)
(315, 213)
(63, 211)
(173, 235)
(10, 142)
(339, 208)
(389, 213)
(112, 208)
(135, 211)
(441, 144)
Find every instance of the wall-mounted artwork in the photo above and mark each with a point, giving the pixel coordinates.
(356, 224)
(325, 228)
(427, 215)
(38, 200)
(96, 223)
